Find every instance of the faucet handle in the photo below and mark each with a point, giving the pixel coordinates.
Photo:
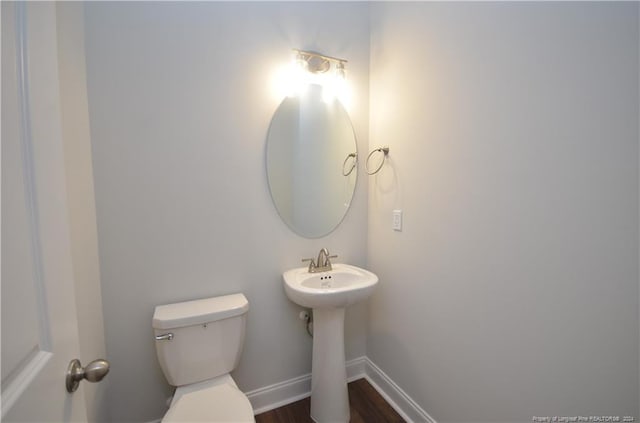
(312, 263)
(328, 260)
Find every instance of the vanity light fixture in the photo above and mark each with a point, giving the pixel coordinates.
(315, 68)
(317, 63)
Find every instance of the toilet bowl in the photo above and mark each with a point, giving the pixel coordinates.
(198, 343)
(214, 403)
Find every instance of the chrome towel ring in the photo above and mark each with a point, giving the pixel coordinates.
(353, 164)
(385, 151)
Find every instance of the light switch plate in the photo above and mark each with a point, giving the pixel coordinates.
(396, 225)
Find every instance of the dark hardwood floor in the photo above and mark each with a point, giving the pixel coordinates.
(367, 406)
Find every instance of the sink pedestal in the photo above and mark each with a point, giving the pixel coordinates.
(328, 293)
(329, 395)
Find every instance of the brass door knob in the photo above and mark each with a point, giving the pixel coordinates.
(93, 372)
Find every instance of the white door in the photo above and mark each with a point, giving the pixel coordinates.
(39, 320)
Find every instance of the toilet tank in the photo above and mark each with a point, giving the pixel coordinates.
(201, 339)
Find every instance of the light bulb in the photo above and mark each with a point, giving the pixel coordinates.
(340, 73)
(335, 84)
(299, 74)
(300, 62)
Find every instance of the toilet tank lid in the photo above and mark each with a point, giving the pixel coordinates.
(197, 312)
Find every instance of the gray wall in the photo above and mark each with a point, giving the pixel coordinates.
(180, 100)
(512, 291)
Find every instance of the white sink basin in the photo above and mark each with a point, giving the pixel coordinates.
(339, 287)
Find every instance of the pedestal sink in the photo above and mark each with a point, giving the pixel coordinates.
(328, 293)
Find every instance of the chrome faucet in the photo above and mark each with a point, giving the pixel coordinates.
(322, 263)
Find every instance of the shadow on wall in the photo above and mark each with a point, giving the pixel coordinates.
(385, 184)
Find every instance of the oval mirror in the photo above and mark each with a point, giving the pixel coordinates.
(311, 162)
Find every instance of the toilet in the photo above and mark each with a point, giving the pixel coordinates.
(198, 344)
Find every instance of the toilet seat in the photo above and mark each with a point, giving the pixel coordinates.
(221, 403)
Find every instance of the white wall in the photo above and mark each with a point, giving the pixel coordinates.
(512, 291)
(81, 198)
(180, 101)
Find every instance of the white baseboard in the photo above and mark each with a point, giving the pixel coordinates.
(292, 390)
(356, 368)
(395, 396)
(279, 394)
(283, 393)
